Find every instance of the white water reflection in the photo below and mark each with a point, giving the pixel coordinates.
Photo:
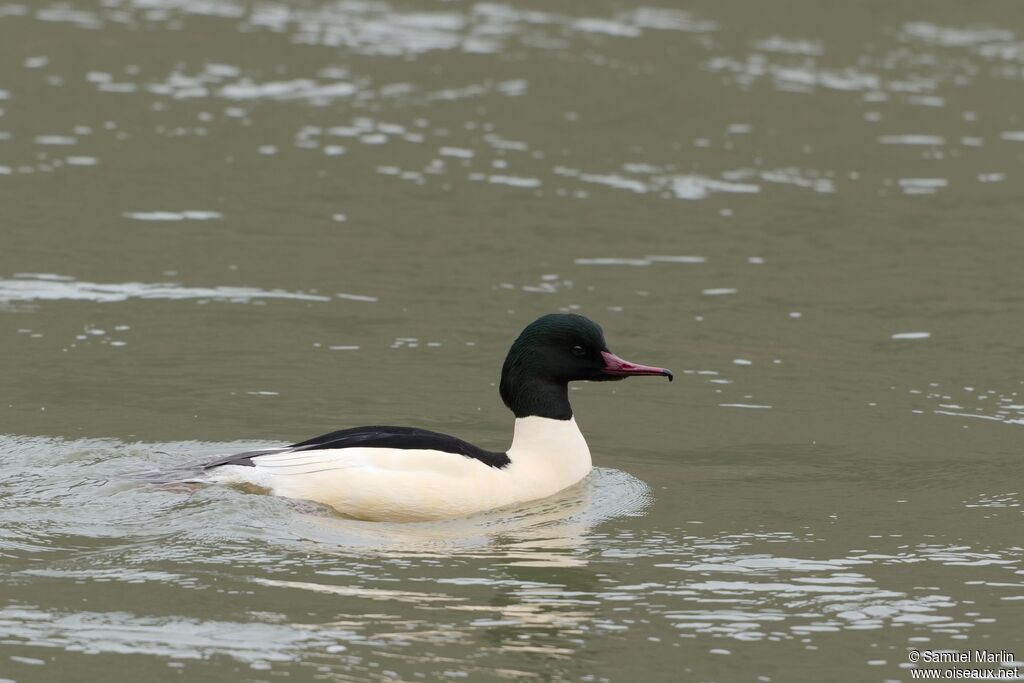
(900, 70)
(790, 46)
(41, 287)
(189, 215)
(552, 532)
(970, 402)
(382, 29)
(286, 90)
(952, 36)
(644, 178)
(90, 632)
(912, 139)
(645, 261)
(922, 185)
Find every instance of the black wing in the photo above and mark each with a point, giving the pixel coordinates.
(379, 437)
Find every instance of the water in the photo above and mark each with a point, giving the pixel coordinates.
(232, 223)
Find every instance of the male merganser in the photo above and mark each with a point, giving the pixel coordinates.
(409, 474)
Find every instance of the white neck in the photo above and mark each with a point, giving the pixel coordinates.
(549, 454)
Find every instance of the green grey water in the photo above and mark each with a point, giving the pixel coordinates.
(228, 223)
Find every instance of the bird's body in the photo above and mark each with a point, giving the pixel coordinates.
(408, 474)
(415, 484)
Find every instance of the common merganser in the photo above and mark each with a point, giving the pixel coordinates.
(409, 474)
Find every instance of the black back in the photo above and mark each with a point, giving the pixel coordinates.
(379, 437)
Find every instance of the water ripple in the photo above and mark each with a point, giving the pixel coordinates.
(45, 287)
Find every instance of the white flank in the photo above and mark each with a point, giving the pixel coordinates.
(395, 484)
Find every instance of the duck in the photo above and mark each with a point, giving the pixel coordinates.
(407, 474)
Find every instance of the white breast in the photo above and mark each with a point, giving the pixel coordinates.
(410, 484)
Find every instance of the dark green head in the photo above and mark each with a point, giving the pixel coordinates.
(552, 351)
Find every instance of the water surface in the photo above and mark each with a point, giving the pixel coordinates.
(231, 223)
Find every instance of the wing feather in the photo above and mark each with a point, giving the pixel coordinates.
(379, 437)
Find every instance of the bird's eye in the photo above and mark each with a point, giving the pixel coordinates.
(578, 350)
